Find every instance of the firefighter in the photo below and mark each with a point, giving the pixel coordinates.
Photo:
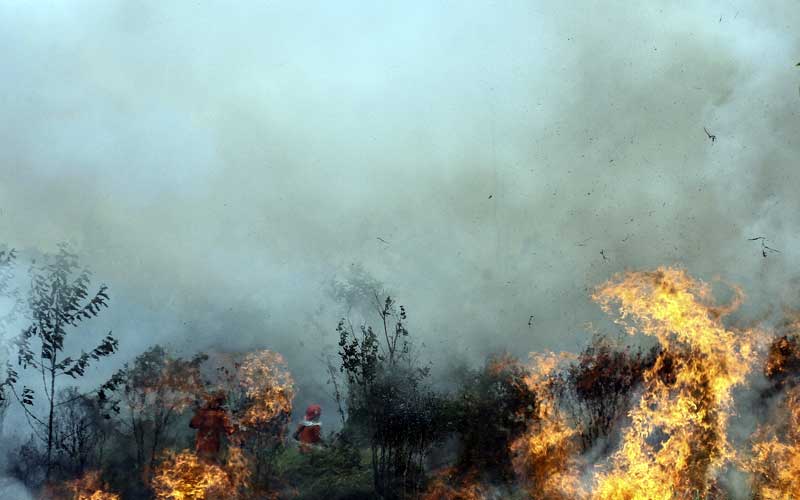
(309, 431)
(211, 421)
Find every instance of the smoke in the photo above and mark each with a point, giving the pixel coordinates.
(10, 488)
(217, 165)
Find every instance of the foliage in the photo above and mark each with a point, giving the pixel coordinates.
(149, 395)
(491, 409)
(388, 397)
(58, 301)
(7, 260)
(336, 471)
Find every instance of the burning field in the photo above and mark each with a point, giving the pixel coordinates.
(414, 250)
(701, 409)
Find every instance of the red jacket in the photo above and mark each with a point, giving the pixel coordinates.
(309, 432)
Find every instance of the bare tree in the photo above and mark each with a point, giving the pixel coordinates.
(80, 432)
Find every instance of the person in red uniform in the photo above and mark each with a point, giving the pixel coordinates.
(309, 431)
(211, 421)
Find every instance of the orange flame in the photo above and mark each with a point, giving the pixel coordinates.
(445, 486)
(88, 487)
(776, 462)
(546, 456)
(184, 476)
(268, 384)
(677, 441)
(258, 387)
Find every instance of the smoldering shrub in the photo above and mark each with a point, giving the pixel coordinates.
(490, 410)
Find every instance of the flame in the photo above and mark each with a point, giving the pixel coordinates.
(99, 495)
(783, 359)
(237, 467)
(89, 487)
(776, 462)
(258, 387)
(184, 476)
(445, 486)
(269, 386)
(677, 441)
(502, 363)
(546, 456)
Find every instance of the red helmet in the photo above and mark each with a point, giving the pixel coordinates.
(313, 412)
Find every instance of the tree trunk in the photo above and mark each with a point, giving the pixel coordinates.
(50, 418)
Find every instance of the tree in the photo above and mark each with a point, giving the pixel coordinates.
(150, 394)
(58, 302)
(80, 433)
(387, 395)
(7, 315)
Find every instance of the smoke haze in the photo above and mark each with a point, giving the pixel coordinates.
(217, 164)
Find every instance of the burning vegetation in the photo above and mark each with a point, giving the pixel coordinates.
(610, 422)
(88, 487)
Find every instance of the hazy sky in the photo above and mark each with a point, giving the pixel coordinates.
(216, 163)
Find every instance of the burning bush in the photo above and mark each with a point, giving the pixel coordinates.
(258, 387)
(268, 388)
(449, 484)
(184, 476)
(148, 396)
(88, 487)
(783, 362)
(259, 390)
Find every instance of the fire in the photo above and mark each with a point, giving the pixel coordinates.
(502, 363)
(783, 360)
(237, 467)
(184, 476)
(258, 386)
(677, 440)
(268, 385)
(99, 495)
(88, 487)
(445, 486)
(776, 462)
(547, 454)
